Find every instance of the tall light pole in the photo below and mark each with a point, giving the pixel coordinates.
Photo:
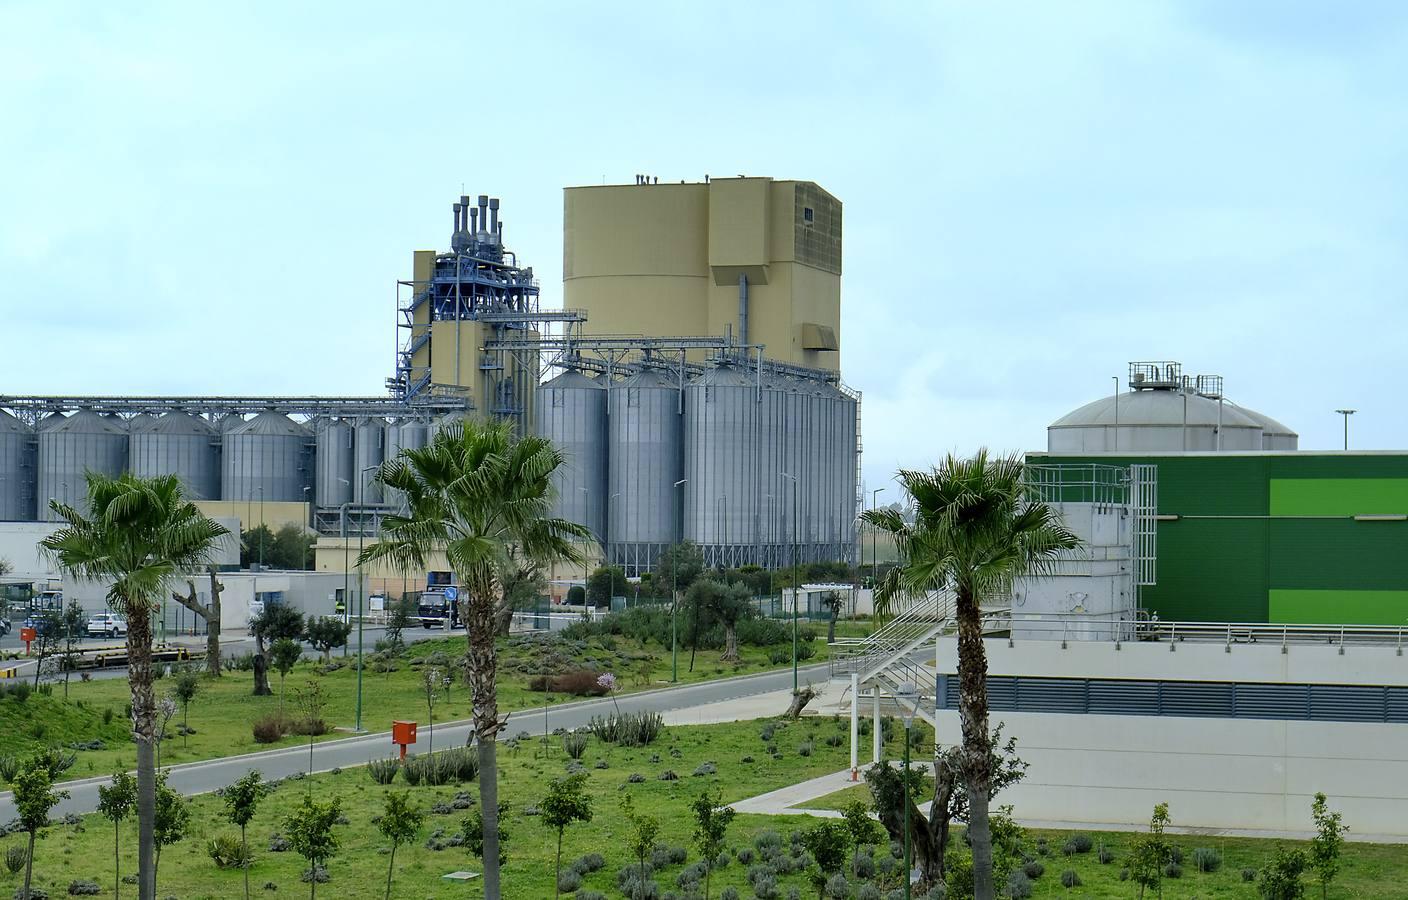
(586, 501)
(361, 597)
(908, 699)
(303, 541)
(346, 561)
(796, 577)
(261, 526)
(675, 586)
(1346, 413)
(611, 572)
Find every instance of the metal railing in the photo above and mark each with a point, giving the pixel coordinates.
(1140, 627)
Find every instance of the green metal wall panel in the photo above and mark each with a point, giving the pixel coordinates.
(1338, 496)
(1339, 607)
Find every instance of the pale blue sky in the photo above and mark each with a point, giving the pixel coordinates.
(218, 199)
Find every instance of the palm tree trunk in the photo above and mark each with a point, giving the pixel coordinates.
(139, 670)
(482, 665)
(390, 869)
(977, 755)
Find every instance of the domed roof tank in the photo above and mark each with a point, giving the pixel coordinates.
(68, 449)
(266, 457)
(571, 412)
(644, 461)
(1169, 421)
(17, 470)
(179, 444)
(1274, 435)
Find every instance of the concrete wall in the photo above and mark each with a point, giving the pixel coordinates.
(19, 545)
(1213, 773)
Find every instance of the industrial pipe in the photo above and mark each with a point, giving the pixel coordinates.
(484, 211)
(494, 215)
(473, 224)
(459, 222)
(743, 310)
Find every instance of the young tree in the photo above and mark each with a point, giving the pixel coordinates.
(1280, 878)
(976, 528)
(48, 638)
(523, 585)
(34, 796)
(309, 830)
(241, 800)
(173, 820)
(398, 619)
(277, 622)
(165, 709)
(292, 546)
(640, 840)
(602, 585)
(140, 533)
(284, 654)
(474, 493)
(430, 683)
(566, 803)
(828, 842)
(1150, 853)
(311, 700)
(832, 602)
(115, 802)
(326, 633)
(1326, 845)
(679, 567)
(209, 613)
(400, 823)
(863, 829)
(472, 831)
(185, 690)
(73, 624)
(256, 546)
(711, 821)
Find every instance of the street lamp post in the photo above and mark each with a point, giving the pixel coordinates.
(261, 526)
(610, 571)
(303, 542)
(675, 586)
(361, 599)
(908, 699)
(796, 578)
(1346, 413)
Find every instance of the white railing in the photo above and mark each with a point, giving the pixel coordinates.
(1055, 626)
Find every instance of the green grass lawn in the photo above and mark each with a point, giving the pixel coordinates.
(223, 712)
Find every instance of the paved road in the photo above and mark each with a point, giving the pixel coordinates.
(203, 777)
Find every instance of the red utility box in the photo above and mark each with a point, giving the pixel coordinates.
(403, 734)
(26, 635)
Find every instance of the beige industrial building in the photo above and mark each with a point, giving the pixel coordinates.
(753, 258)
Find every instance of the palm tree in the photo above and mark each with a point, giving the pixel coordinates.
(975, 529)
(484, 498)
(139, 535)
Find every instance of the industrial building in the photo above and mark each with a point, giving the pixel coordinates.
(693, 427)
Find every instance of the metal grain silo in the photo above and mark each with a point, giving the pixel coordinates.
(17, 470)
(721, 453)
(571, 412)
(371, 449)
(644, 460)
(179, 444)
(335, 459)
(266, 458)
(83, 442)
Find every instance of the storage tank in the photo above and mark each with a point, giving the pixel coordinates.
(371, 449)
(722, 448)
(334, 463)
(17, 470)
(83, 442)
(644, 460)
(179, 444)
(571, 412)
(266, 457)
(1154, 420)
(1274, 435)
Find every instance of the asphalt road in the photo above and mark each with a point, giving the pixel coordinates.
(210, 775)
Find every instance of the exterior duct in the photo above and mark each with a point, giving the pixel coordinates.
(743, 309)
(494, 215)
(484, 211)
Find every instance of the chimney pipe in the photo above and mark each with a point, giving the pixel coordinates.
(484, 211)
(459, 222)
(473, 224)
(494, 214)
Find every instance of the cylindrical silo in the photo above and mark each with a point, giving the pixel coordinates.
(721, 451)
(644, 459)
(371, 449)
(266, 458)
(571, 412)
(17, 470)
(334, 463)
(83, 442)
(179, 444)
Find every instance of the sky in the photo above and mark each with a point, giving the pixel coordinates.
(218, 199)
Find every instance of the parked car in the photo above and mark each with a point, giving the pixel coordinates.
(107, 625)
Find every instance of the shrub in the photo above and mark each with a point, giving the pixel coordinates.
(628, 729)
(1034, 869)
(745, 855)
(9, 767)
(589, 895)
(834, 740)
(228, 852)
(20, 691)
(589, 863)
(1173, 870)
(863, 865)
(706, 768)
(83, 888)
(578, 683)
(15, 858)
(1175, 853)
(668, 775)
(767, 840)
(1069, 849)
(575, 743)
(1206, 859)
(765, 887)
(1105, 855)
(804, 749)
(1123, 875)
(383, 771)
(568, 880)
(1248, 874)
(306, 726)
(1070, 879)
(1082, 843)
(690, 876)
(268, 729)
(1019, 886)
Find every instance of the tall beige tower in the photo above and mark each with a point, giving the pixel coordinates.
(752, 257)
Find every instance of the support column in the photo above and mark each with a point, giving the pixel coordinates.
(875, 722)
(855, 726)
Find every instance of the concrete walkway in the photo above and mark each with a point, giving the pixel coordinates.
(786, 801)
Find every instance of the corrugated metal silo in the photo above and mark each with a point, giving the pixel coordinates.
(722, 444)
(371, 449)
(179, 444)
(571, 412)
(334, 462)
(83, 442)
(266, 457)
(644, 458)
(17, 470)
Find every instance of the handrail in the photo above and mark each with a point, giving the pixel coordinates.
(1151, 629)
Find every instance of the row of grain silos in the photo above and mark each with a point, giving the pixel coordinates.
(269, 456)
(745, 465)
